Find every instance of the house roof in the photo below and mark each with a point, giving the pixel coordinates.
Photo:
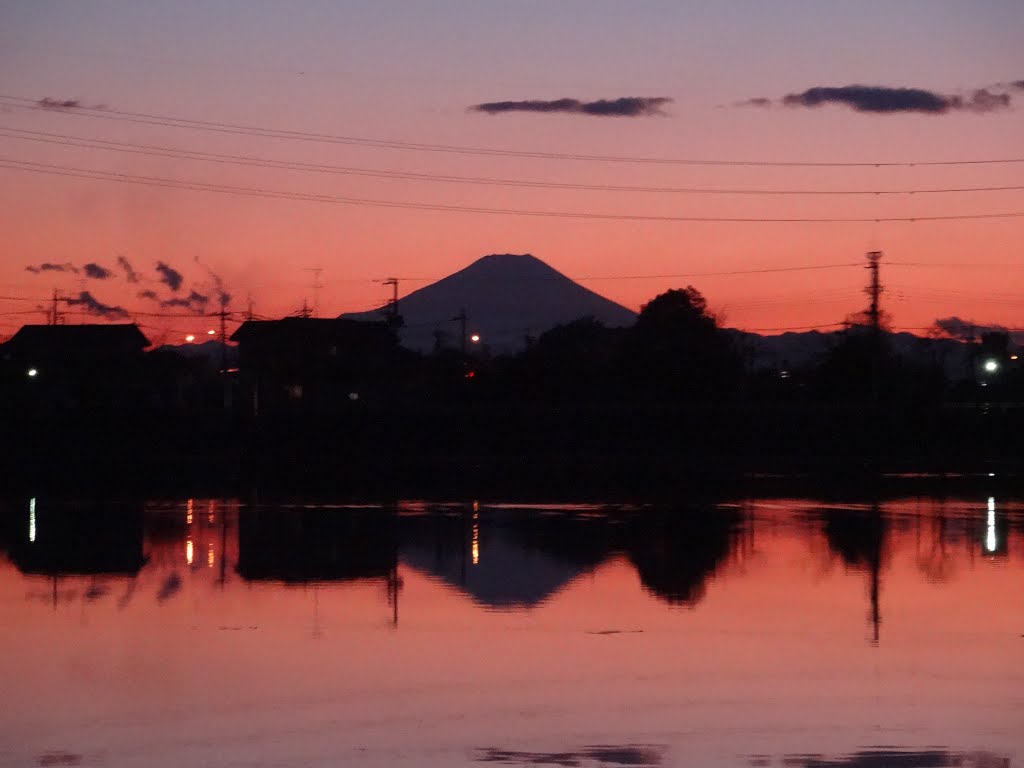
(36, 337)
(308, 328)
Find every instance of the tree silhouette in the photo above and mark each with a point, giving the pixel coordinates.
(676, 351)
(569, 362)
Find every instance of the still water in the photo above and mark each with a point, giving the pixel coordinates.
(763, 632)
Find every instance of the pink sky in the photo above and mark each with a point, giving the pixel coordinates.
(409, 72)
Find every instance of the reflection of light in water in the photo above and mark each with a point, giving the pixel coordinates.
(209, 557)
(188, 512)
(209, 513)
(32, 519)
(990, 533)
(189, 555)
(476, 543)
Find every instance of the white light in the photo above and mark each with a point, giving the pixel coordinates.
(32, 519)
(190, 338)
(189, 552)
(991, 366)
(475, 338)
(211, 332)
(32, 372)
(990, 532)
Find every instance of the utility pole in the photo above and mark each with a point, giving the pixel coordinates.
(54, 315)
(874, 291)
(316, 286)
(224, 355)
(392, 311)
(461, 320)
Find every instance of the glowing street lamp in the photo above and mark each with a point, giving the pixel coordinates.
(475, 338)
(190, 338)
(991, 366)
(32, 373)
(211, 332)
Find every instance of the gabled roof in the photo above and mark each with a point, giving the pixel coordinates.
(35, 337)
(308, 328)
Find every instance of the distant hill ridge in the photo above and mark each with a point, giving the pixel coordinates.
(505, 297)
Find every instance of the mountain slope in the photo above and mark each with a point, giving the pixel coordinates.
(505, 297)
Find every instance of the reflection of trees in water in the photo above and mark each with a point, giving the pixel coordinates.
(859, 538)
(677, 552)
(933, 557)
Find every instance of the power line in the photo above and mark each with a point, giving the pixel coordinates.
(953, 265)
(251, 130)
(152, 150)
(153, 181)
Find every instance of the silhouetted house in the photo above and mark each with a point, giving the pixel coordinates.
(57, 367)
(181, 383)
(67, 539)
(315, 545)
(314, 364)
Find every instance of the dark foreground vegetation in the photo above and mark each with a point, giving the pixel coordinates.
(671, 402)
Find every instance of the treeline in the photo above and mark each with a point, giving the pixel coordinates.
(677, 354)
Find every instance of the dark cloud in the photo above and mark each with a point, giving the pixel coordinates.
(97, 272)
(982, 100)
(223, 297)
(871, 98)
(169, 276)
(1018, 84)
(94, 307)
(897, 758)
(194, 302)
(49, 267)
(129, 271)
(965, 330)
(880, 99)
(147, 294)
(48, 103)
(626, 106)
(758, 101)
(604, 754)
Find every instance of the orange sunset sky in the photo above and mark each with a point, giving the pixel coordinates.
(307, 103)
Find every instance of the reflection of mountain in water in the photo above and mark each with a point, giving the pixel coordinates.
(299, 545)
(522, 559)
(501, 562)
(65, 539)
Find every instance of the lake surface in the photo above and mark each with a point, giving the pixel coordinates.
(760, 632)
